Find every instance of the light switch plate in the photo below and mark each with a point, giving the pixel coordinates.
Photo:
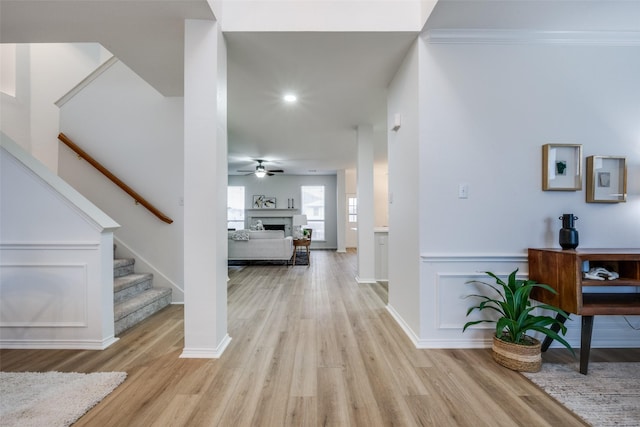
(463, 191)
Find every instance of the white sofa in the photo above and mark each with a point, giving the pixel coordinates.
(259, 245)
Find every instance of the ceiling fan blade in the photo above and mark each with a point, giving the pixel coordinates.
(270, 174)
(239, 170)
(275, 170)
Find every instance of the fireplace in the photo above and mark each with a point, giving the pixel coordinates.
(274, 227)
(272, 223)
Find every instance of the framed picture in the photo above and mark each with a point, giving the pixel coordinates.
(562, 167)
(606, 179)
(258, 202)
(269, 202)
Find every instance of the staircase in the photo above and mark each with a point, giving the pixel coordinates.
(134, 297)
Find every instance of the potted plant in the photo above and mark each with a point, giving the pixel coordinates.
(512, 347)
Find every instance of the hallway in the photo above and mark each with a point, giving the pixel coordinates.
(310, 347)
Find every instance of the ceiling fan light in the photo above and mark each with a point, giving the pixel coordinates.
(261, 171)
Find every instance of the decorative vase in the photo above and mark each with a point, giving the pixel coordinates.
(568, 236)
(518, 357)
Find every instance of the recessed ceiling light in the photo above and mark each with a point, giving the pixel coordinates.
(290, 98)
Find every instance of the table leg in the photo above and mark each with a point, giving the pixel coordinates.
(308, 257)
(585, 343)
(294, 255)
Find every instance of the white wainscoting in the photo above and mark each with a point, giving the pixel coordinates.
(443, 305)
(53, 293)
(43, 295)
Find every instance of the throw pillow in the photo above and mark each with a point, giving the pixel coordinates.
(240, 235)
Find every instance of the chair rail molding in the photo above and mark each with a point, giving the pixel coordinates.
(473, 257)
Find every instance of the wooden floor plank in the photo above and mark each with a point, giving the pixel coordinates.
(302, 412)
(305, 365)
(310, 347)
(332, 400)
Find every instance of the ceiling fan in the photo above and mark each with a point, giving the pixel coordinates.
(261, 170)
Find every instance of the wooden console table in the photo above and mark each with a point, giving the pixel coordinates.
(562, 270)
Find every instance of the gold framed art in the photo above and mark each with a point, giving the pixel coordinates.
(606, 179)
(562, 167)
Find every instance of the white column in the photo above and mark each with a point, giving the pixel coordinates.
(366, 248)
(341, 210)
(205, 190)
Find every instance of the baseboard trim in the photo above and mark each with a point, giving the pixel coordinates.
(206, 353)
(403, 325)
(57, 344)
(362, 281)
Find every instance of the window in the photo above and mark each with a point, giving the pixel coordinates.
(353, 209)
(235, 207)
(313, 208)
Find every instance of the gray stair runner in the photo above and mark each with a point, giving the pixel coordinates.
(134, 296)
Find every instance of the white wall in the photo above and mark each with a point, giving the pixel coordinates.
(486, 127)
(284, 187)
(15, 120)
(404, 196)
(485, 112)
(136, 133)
(44, 73)
(56, 260)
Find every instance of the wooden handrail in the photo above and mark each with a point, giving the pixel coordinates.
(93, 162)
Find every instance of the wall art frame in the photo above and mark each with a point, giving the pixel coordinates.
(562, 167)
(258, 202)
(269, 202)
(606, 179)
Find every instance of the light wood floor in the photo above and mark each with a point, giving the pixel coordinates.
(310, 347)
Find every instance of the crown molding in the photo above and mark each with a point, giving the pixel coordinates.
(490, 36)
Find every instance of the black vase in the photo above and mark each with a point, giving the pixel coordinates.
(568, 235)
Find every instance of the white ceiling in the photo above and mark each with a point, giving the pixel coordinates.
(339, 77)
(340, 80)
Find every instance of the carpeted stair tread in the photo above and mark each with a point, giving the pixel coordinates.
(123, 282)
(120, 262)
(130, 285)
(123, 266)
(134, 296)
(125, 308)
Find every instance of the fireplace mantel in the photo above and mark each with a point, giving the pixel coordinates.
(272, 212)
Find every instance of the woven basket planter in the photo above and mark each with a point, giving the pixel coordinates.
(519, 357)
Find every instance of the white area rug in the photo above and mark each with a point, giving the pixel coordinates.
(52, 399)
(608, 396)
